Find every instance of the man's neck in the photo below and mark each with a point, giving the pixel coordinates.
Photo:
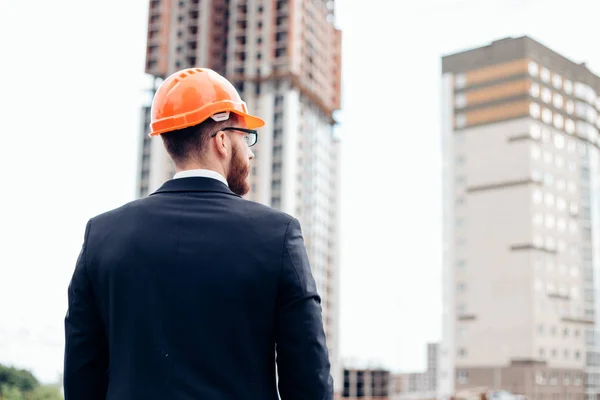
(200, 172)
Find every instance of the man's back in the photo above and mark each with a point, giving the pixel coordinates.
(184, 294)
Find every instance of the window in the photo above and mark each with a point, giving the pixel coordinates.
(461, 120)
(549, 200)
(460, 81)
(570, 107)
(547, 157)
(539, 378)
(547, 116)
(557, 81)
(574, 273)
(558, 100)
(461, 286)
(462, 376)
(462, 352)
(546, 95)
(545, 75)
(568, 86)
(534, 131)
(580, 90)
(534, 110)
(573, 208)
(560, 163)
(538, 218)
(581, 109)
(559, 121)
(570, 126)
(535, 152)
(537, 196)
(548, 179)
(534, 89)
(460, 100)
(533, 68)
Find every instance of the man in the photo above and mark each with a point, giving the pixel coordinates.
(194, 292)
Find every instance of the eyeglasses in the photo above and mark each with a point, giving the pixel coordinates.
(251, 135)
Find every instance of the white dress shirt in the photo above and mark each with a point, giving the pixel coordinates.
(203, 173)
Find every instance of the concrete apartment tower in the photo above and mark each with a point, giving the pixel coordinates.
(521, 222)
(284, 57)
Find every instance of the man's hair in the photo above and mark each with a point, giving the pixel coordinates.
(191, 143)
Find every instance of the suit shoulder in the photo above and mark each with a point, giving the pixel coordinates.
(118, 212)
(268, 213)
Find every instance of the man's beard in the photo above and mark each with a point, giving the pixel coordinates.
(238, 172)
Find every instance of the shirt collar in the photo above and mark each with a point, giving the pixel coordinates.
(203, 173)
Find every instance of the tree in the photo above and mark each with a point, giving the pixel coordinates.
(18, 384)
(21, 379)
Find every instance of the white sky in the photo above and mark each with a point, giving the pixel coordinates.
(72, 75)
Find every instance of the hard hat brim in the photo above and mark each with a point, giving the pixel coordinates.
(190, 119)
(251, 121)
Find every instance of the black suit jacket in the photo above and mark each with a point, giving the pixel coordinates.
(194, 293)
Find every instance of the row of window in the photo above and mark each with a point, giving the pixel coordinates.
(566, 354)
(583, 128)
(562, 269)
(549, 180)
(581, 109)
(462, 353)
(554, 201)
(546, 136)
(577, 89)
(555, 245)
(557, 289)
(548, 157)
(551, 221)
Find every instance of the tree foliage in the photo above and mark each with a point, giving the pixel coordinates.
(18, 384)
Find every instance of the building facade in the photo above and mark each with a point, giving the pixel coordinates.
(419, 385)
(521, 223)
(284, 57)
(366, 384)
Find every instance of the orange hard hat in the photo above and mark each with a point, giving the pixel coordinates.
(191, 96)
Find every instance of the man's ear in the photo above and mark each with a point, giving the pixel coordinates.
(222, 143)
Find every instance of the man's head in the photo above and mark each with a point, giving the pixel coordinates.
(216, 145)
(205, 124)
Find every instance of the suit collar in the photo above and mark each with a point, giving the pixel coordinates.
(194, 184)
